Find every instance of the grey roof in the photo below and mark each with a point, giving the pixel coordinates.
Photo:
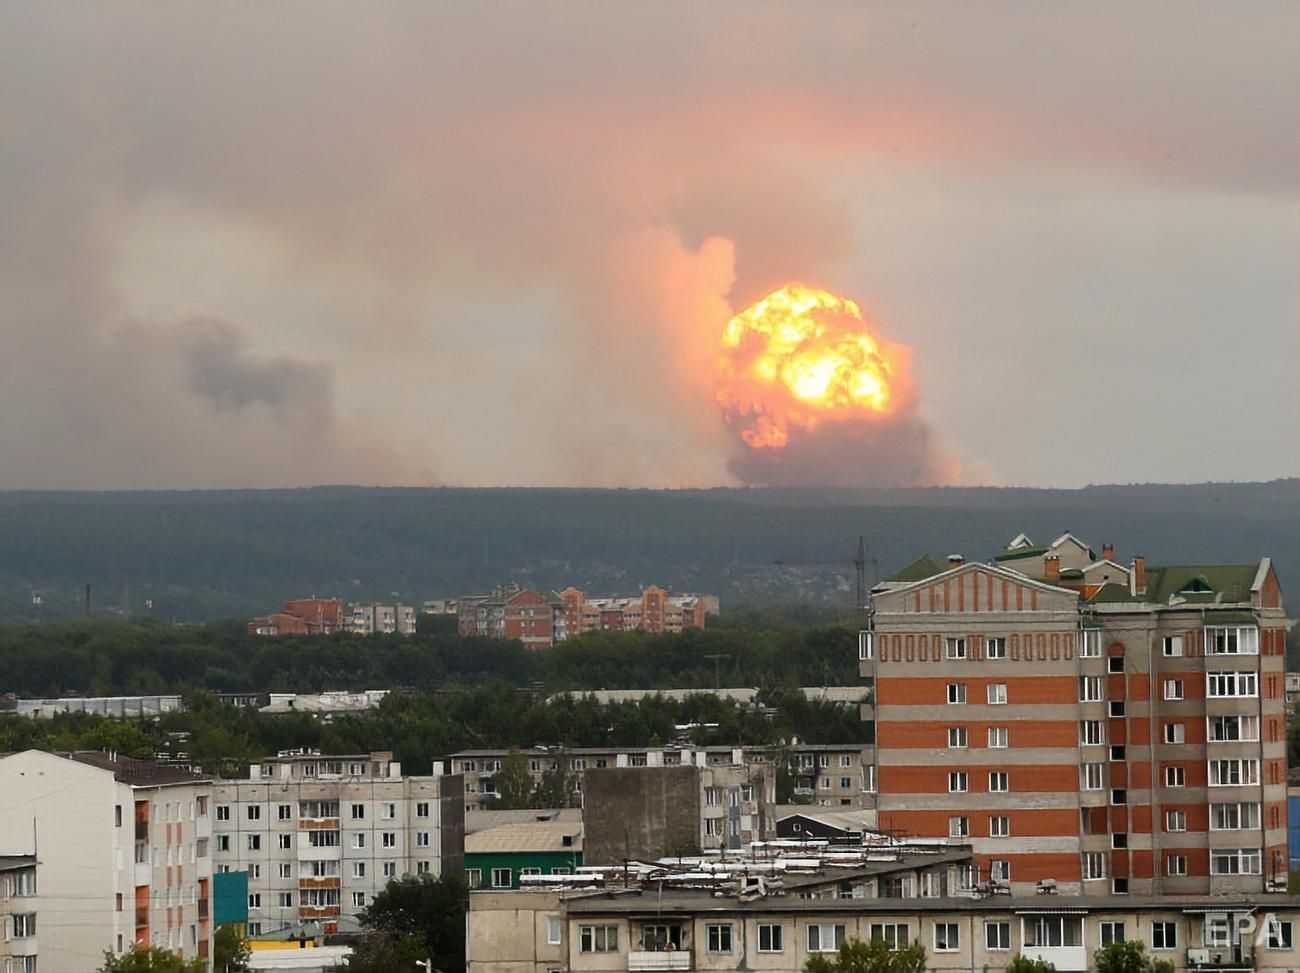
(531, 836)
(483, 820)
(136, 773)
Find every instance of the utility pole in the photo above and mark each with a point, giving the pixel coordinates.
(717, 658)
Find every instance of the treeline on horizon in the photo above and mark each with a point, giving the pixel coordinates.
(99, 658)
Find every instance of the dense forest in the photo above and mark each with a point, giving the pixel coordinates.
(219, 554)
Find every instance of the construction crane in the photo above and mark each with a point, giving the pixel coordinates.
(859, 561)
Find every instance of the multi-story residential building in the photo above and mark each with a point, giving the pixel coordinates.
(302, 616)
(19, 952)
(684, 929)
(381, 619)
(1111, 728)
(320, 835)
(121, 844)
(540, 621)
(499, 857)
(830, 775)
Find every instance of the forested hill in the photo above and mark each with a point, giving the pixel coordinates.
(213, 554)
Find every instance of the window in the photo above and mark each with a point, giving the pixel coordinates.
(1175, 820)
(24, 925)
(998, 781)
(717, 936)
(358, 869)
(958, 827)
(1218, 684)
(954, 648)
(1173, 689)
(997, 693)
(24, 885)
(956, 736)
(1174, 733)
(956, 692)
(390, 869)
(1228, 729)
(1175, 777)
(421, 809)
(1094, 864)
(895, 935)
(998, 737)
(223, 842)
(358, 812)
(502, 878)
(286, 870)
(1278, 933)
(999, 826)
(995, 647)
(1090, 734)
(254, 812)
(254, 842)
(254, 871)
(255, 929)
(1090, 643)
(529, 871)
(1119, 796)
(284, 900)
(1164, 935)
(865, 648)
(284, 812)
(389, 839)
(358, 900)
(997, 936)
(1115, 707)
(1234, 861)
(422, 839)
(598, 939)
(1118, 752)
(1234, 817)
(1115, 664)
(1232, 773)
(358, 839)
(1112, 932)
(255, 900)
(957, 782)
(554, 930)
(1093, 777)
(946, 937)
(390, 810)
(1232, 641)
(1172, 645)
(223, 812)
(1000, 870)
(1047, 931)
(770, 937)
(1175, 865)
(286, 841)
(1090, 689)
(473, 876)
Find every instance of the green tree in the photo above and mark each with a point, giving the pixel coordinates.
(872, 956)
(229, 950)
(149, 959)
(1023, 964)
(558, 787)
(382, 952)
(422, 914)
(514, 782)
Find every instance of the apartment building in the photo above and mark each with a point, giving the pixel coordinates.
(366, 619)
(122, 848)
(19, 952)
(1110, 728)
(302, 616)
(320, 835)
(684, 929)
(829, 775)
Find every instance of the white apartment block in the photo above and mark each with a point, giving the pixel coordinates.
(320, 836)
(122, 850)
(381, 619)
(18, 947)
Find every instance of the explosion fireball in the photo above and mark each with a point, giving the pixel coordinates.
(801, 357)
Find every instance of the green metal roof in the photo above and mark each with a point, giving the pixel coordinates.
(1225, 582)
(920, 569)
(1230, 618)
(1112, 594)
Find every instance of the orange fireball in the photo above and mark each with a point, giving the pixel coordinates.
(802, 356)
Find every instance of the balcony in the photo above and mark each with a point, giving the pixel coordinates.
(318, 824)
(203, 908)
(1066, 959)
(1220, 959)
(640, 959)
(143, 874)
(141, 916)
(142, 831)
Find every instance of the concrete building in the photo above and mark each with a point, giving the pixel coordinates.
(1112, 728)
(122, 848)
(320, 835)
(363, 619)
(19, 951)
(122, 707)
(644, 929)
(501, 856)
(828, 775)
(325, 704)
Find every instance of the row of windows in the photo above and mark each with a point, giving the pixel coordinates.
(995, 693)
(329, 868)
(312, 898)
(320, 809)
(503, 878)
(1218, 641)
(322, 839)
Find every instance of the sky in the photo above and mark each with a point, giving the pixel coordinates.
(496, 243)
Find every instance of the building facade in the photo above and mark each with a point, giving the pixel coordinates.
(502, 856)
(122, 845)
(302, 616)
(19, 950)
(365, 619)
(320, 835)
(1107, 728)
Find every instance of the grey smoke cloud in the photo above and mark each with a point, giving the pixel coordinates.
(495, 243)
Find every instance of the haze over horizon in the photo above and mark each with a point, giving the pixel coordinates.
(498, 244)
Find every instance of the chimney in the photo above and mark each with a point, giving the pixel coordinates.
(1108, 552)
(956, 560)
(1052, 569)
(1137, 584)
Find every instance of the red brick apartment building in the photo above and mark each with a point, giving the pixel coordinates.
(1112, 728)
(303, 616)
(540, 620)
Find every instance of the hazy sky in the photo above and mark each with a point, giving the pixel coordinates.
(496, 243)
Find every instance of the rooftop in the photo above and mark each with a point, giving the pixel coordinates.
(136, 773)
(526, 836)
